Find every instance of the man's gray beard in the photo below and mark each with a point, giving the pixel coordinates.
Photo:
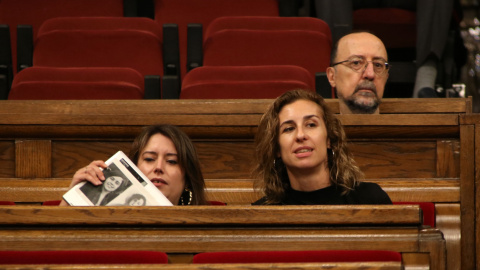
(360, 108)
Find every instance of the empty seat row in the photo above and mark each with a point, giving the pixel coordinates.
(29, 15)
(137, 43)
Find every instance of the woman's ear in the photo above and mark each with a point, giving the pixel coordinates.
(328, 143)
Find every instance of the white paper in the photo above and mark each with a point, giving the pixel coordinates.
(133, 186)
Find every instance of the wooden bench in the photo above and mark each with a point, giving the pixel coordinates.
(181, 231)
(417, 149)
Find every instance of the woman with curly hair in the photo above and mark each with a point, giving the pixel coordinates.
(303, 159)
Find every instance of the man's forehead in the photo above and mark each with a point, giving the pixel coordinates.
(361, 44)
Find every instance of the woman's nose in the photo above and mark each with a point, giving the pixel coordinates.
(300, 134)
(159, 167)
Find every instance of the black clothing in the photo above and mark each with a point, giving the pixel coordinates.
(364, 193)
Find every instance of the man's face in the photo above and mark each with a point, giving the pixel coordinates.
(359, 89)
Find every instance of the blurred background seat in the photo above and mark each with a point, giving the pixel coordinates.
(239, 47)
(28, 15)
(52, 83)
(199, 14)
(244, 82)
(136, 49)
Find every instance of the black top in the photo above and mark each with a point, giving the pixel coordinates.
(364, 193)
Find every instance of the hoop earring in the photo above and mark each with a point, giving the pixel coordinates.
(190, 195)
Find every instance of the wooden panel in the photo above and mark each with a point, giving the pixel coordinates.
(406, 119)
(399, 159)
(347, 215)
(228, 160)
(232, 159)
(69, 156)
(477, 192)
(239, 191)
(448, 221)
(416, 261)
(467, 195)
(448, 158)
(33, 158)
(7, 159)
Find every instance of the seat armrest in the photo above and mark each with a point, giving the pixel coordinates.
(171, 54)
(152, 87)
(322, 86)
(24, 47)
(194, 46)
(171, 87)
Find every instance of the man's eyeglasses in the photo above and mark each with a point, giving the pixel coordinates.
(358, 64)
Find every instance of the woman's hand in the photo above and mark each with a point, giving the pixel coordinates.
(91, 173)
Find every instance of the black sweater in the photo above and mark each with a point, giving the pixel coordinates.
(364, 193)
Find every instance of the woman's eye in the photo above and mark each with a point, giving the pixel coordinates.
(172, 161)
(287, 129)
(311, 125)
(148, 159)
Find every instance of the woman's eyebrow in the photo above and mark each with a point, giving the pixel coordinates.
(306, 117)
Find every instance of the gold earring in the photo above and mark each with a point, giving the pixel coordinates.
(190, 195)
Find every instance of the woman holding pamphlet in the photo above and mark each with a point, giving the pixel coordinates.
(167, 157)
(303, 159)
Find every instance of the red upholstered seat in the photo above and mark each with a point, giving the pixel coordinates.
(112, 41)
(184, 12)
(235, 82)
(34, 13)
(216, 203)
(308, 49)
(139, 50)
(381, 21)
(136, 49)
(428, 209)
(101, 23)
(298, 256)
(83, 257)
(269, 23)
(7, 203)
(51, 83)
(52, 203)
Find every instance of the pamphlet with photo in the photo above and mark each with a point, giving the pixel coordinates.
(124, 185)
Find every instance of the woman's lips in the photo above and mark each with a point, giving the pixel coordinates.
(158, 182)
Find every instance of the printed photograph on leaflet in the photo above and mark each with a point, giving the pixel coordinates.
(124, 185)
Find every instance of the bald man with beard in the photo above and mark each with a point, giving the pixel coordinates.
(359, 72)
